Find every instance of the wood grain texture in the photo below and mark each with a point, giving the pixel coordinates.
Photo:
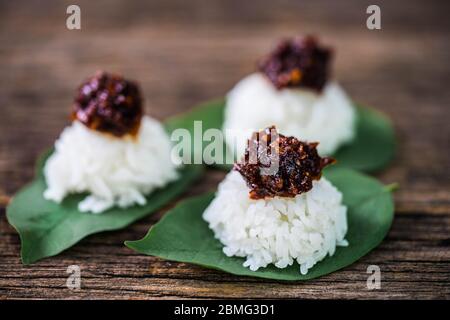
(184, 52)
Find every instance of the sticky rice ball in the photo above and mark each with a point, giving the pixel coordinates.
(292, 90)
(293, 215)
(111, 150)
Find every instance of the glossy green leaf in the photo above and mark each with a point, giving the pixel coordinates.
(371, 150)
(47, 228)
(374, 145)
(182, 235)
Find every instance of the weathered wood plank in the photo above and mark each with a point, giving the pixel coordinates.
(186, 52)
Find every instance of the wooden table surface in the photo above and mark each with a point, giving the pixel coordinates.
(184, 52)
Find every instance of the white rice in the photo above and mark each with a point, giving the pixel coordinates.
(279, 230)
(254, 104)
(115, 171)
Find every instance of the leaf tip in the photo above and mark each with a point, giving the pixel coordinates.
(26, 261)
(130, 244)
(392, 187)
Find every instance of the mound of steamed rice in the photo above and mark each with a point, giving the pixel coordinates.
(254, 103)
(278, 231)
(114, 171)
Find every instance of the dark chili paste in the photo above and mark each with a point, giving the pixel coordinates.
(297, 62)
(296, 165)
(109, 103)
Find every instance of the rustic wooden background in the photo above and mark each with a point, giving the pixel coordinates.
(184, 52)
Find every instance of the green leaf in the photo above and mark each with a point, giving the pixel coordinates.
(371, 150)
(211, 116)
(47, 228)
(182, 235)
(374, 145)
